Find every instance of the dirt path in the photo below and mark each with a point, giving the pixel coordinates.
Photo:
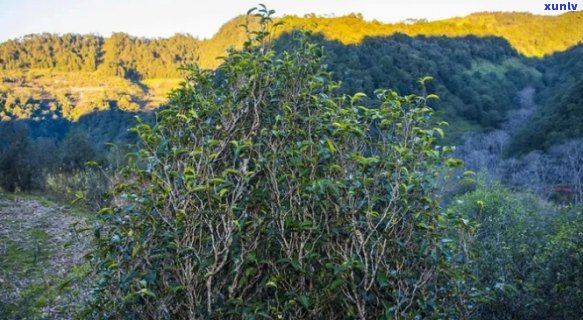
(39, 247)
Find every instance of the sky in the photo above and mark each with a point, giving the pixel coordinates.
(163, 18)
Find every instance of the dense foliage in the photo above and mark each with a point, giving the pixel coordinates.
(260, 192)
(558, 119)
(526, 254)
(119, 55)
(52, 156)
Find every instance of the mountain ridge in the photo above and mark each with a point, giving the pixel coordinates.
(528, 33)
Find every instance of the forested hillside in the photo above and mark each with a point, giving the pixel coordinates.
(90, 87)
(477, 79)
(47, 76)
(132, 57)
(560, 115)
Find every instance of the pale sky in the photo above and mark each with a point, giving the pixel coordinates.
(163, 18)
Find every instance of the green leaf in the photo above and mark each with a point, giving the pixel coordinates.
(136, 250)
(199, 189)
(336, 283)
(357, 96)
(305, 301)
(216, 181)
(223, 192)
(425, 79)
(331, 146)
(146, 292)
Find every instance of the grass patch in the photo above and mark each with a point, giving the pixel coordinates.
(32, 285)
(39, 235)
(22, 259)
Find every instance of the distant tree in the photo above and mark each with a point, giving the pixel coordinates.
(20, 167)
(76, 151)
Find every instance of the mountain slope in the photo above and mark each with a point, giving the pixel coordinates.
(477, 79)
(50, 77)
(560, 115)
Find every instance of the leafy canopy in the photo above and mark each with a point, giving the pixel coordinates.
(260, 193)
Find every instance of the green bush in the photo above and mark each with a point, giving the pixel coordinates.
(560, 282)
(260, 193)
(526, 255)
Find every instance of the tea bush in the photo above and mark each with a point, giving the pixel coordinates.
(260, 193)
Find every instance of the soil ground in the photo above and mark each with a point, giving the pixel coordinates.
(40, 249)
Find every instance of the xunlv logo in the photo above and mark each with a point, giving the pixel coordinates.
(561, 6)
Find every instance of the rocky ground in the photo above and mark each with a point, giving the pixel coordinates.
(41, 251)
